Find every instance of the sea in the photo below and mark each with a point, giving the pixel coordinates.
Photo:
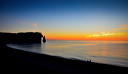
(106, 52)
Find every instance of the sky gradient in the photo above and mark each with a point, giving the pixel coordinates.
(67, 19)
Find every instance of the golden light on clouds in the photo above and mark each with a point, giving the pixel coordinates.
(122, 27)
(102, 34)
(120, 33)
(126, 25)
(125, 28)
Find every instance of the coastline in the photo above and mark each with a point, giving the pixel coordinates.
(17, 61)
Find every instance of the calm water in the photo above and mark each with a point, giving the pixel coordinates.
(109, 52)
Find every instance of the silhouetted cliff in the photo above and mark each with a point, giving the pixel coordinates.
(22, 37)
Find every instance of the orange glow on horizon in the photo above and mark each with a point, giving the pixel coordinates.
(111, 36)
(119, 33)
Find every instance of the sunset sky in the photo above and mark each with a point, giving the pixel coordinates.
(67, 19)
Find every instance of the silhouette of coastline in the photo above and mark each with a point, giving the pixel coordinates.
(19, 61)
(21, 37)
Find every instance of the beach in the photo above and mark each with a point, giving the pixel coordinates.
(18, 61)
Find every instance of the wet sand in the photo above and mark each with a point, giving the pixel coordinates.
(23, 62)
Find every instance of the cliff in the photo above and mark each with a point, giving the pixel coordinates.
(21, 37)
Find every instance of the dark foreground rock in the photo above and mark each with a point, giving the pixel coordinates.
(21, 62)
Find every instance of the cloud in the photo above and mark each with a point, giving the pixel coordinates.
(104, 34)
(119, 33)
(35, 25)
(122, 28)
(126, 25)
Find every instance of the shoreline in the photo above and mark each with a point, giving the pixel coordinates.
(28, 62)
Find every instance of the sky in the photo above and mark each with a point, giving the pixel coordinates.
(67, 19)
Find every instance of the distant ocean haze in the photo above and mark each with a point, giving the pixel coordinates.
(108, 52)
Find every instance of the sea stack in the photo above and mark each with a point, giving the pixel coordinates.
(44, 39)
